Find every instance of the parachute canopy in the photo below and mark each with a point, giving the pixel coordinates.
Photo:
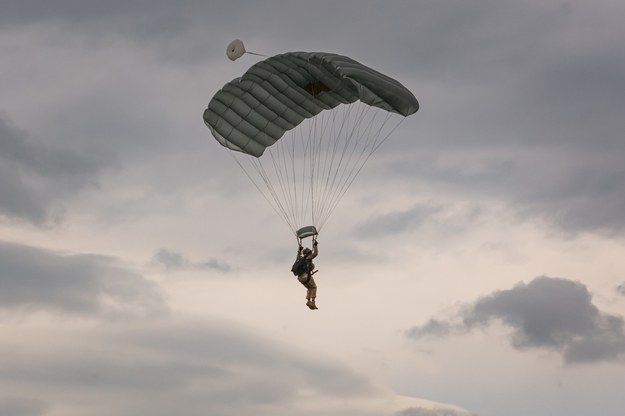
(253, 112)
(305, 175)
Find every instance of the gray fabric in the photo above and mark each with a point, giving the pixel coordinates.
(252, 112)
(307, 231)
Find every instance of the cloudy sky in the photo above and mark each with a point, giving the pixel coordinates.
(476, 267)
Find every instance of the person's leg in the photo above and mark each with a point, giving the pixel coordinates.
(312, 293)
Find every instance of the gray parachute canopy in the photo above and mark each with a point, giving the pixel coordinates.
(301, 158)
(254, 111)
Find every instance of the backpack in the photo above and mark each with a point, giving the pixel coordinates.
(300, 266)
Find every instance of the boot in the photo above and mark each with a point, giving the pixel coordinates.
(311, 304)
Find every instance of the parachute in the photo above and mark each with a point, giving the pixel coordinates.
(235, 50)
(302, 125)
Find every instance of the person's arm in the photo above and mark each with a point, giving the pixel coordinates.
(314, 252)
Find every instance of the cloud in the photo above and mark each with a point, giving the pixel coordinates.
(173, 33)
(621, 289)
(171, 261)
(429, 223)
(433, 328)
(422, 411)
(35, 178)
(22, 407)
(530, 118)
(191, 367)
(84, 284)
(536, 110)
(551, 313)
(397, 222)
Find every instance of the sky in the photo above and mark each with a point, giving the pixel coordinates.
(475, 267)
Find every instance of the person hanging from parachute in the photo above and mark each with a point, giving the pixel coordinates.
(304, 269)
(336, 111)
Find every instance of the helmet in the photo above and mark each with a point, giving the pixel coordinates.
(307, 251)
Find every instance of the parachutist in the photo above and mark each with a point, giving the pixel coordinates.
(327, 103)
(304, 269)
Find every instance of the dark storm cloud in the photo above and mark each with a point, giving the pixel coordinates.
(171, 261)
(37, 279)
(190, 367)
(35, 177)
(552, 313)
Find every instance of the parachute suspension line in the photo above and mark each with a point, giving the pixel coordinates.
(347, 142)
(281, 180)
(281, 169)
(284, 173)
(299, 142)
(292, 154)
(291, 146)
(350, 171)
(269, 183)
(331, 135)
(320, 132)
(286, 150)
(305, 175)
(360, 143)
(328, 136)
(276, 206)
(363, 138)
(308, 166)
(323, 176)
(311, 165)
(368, 149)
(304, 165)
(330, 161)
(341, 149)
(379, 139)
